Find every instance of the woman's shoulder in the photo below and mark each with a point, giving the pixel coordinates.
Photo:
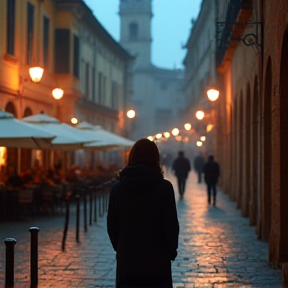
(165, 183)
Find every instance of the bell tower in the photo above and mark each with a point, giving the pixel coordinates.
(135, 26)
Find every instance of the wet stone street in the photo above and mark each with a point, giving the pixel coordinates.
(217, 248)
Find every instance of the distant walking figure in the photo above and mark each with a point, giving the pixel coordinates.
(181, 166)
(142, 221)
(211, 174)
(198, 166)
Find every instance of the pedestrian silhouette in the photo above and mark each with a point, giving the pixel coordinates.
(199, 162)
(211, 174)
(142, 221)
(181, 167)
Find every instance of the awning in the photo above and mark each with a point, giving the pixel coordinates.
(105, 139)
(67, 137)
(14, 133)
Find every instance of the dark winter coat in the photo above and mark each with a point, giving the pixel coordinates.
(143, 227)
(211, 172)
(181, 166)
(199, 162)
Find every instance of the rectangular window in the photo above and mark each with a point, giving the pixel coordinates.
(10, 32)
(100, 87)
(87, 90)
(115, 91)
(30, 32)
(76, 56)
(45, 40)
(93, 85)
(62, 51)
(104, 90)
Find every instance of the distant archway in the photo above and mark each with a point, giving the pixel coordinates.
(240, 159)
(246, 191)
(12, 153)
(283, 150)
(255, 142)
(234, 155)
(266, 197)
(27, 112)
(10, 107)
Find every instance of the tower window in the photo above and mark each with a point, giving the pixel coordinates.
(133, 30)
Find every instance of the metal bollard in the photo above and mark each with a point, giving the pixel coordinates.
(103, 198)
(90, 206)
(99, 199)
(95, 203)
(85, 210)
(9, 268)
(34, 256)
(66, 224)
(77, 197)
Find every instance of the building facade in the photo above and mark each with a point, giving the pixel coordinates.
(157, 92)
(78, 55)
(200, 72)
(252, 61)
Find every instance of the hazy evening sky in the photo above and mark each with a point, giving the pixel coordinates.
(171, 26)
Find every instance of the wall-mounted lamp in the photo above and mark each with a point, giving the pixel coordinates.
(57, 93)
(213, 94)
(200, 114)
(74, 120)
(36, 74)
(175, 131)
(187, 126)
(131, 114)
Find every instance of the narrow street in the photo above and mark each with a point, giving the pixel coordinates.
(217, 248)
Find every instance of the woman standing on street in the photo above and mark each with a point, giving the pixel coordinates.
(142, 221)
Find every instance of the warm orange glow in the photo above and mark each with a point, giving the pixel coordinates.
(57, 93)
(178, 138)
(199, 143)
(150, 138)
(131, 114)
(186, 140)
(209, 127)
(187, 126)
(175, 132)
(74, 120)
(213, 94)
(203, 138)
(166, 134)
(36, 74)
(200, 114)
(3, 155)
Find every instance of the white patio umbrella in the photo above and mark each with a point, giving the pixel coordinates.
(105, 139)
(14, 133)
(67, 137)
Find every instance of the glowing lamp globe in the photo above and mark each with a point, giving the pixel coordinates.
(166, 134)
(74, 120)
(159, 136)
(131, 114)
(200, 115)
(57, 93)
(175, 131)
(150, 138)
(203, 138)
(36, 74)
(187, 126)
(212, 94)
(199, 143)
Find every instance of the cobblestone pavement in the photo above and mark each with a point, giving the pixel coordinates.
(217, 248)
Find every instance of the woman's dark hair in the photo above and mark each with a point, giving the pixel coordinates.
(144, 151)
